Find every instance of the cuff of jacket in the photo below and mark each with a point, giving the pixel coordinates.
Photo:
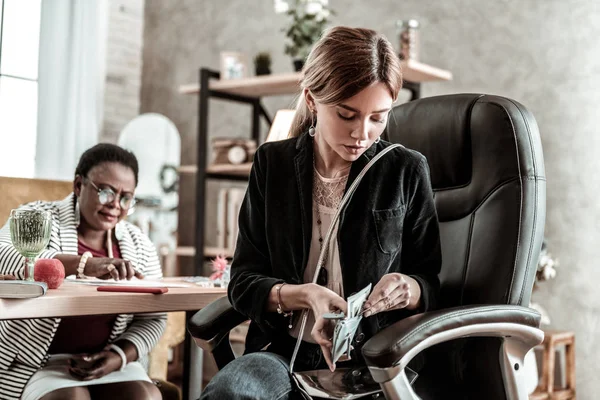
(425, 301)
(260, 315)
(145, 342)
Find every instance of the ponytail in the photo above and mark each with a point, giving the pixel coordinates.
(302, 119)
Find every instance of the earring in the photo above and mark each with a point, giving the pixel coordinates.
(378, 139)
(77, 213)
(312, 130)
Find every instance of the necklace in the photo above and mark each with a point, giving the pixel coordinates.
(335, 175)
(327, 193)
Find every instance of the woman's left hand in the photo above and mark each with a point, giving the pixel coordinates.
(7, 277)
(393, 292)
(94, 366)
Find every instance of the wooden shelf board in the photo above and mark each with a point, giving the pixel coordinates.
(415, 71)
(256, 86)
(281, 84)
(190, 251)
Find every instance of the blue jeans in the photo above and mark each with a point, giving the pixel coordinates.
(265, 375)
(255, 376)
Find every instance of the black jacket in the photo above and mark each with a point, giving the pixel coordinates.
(389, 225)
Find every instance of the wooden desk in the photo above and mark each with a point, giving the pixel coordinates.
(74, 299)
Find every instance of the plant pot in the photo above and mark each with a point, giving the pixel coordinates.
(262, 70)
(298, 64)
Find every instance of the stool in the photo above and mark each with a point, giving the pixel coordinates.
(546, 389)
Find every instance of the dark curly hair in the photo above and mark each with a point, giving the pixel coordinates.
(106, 152)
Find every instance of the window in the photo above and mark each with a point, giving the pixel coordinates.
(19, 49)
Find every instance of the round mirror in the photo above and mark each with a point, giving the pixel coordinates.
(155, 141)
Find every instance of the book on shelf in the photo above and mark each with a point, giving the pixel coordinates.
(229, 202)
(221, 232)
(22, 289)
(235, 197)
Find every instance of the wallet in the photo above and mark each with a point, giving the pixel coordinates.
(345, 328)
(343, 333)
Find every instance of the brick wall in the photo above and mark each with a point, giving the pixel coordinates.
(123, 66)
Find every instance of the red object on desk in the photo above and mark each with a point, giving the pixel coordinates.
(133, 289)
(49, 270)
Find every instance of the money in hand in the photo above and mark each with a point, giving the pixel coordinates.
(357, 300)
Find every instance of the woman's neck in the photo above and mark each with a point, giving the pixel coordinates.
(328, 163)
(91, 237)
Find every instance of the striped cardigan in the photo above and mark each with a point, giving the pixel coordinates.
(24, 343)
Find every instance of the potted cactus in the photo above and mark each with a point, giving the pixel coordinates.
(262, 63)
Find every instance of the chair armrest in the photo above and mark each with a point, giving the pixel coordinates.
(397, 344)
(214, 320)
(210, 329)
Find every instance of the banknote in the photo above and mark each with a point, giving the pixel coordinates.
(357, 300)
(345, 328)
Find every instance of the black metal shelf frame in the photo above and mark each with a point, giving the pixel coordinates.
(258, 111)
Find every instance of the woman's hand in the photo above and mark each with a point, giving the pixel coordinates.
(7, 277)
(94, 366)
(393, 292)
(322, 301)
(106, 268)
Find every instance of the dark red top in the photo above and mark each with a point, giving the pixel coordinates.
(86, 334)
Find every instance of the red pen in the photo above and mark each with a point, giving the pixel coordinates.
(133, 289)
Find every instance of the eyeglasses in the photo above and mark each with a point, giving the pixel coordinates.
(107, 195)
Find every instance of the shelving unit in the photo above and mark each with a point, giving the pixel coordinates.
(250, 91)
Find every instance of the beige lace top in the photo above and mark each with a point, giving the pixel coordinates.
(327, 195)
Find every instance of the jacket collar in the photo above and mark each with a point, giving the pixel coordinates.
(303, 164)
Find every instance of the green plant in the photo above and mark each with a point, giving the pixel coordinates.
(262, 60)
(309, 18)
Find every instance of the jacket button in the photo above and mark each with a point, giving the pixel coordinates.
(360, 337)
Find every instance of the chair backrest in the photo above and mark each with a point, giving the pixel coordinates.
(18, 191)
(487, 171)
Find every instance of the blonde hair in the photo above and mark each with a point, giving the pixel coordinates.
(341, 64)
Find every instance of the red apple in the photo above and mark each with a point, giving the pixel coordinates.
(49, 270)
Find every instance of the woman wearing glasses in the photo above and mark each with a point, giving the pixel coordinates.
(92, 357)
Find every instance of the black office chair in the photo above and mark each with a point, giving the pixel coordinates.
(487, 171)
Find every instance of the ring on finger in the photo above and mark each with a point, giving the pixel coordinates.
(386, 301)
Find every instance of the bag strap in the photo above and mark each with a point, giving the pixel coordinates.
(326, 240)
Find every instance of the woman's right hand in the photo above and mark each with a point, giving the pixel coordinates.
(322, 301)
(106, 268)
